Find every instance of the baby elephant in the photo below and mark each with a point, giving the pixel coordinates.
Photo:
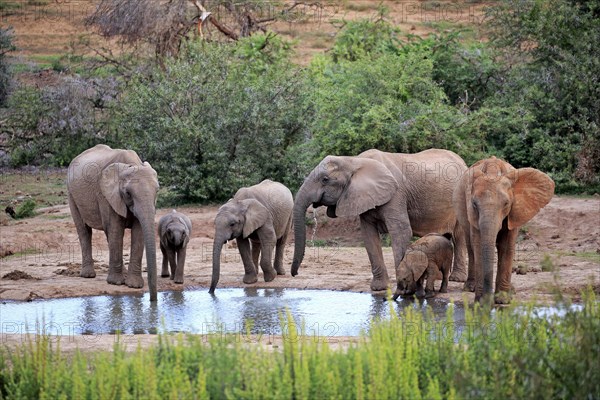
(174, 231)
(425, 258)
(259, 218)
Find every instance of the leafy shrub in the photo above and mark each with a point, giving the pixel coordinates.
(390, 103)
(212, 121)
(365, 39)
(6, 46)
(25, 209)
(54, 124)
(552, 50)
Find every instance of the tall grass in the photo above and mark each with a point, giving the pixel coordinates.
(504, 354)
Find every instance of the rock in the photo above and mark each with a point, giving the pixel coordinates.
(522, 270)
(555, 236)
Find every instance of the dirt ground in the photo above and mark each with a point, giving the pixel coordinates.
(40, 257)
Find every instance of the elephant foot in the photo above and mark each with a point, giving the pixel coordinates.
(469, 286)
(88, 272)
(379, 284)
(177, 279)
(250, 278)
(458, 276)
(502, 297)
(420, 293)
(443, 289)
(165, 274)
(269, 276)
(115, 278)
(429, 294)
(134, 281)
(484, 299)
(280, 271)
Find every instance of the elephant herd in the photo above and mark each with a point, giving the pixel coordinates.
(457, 211)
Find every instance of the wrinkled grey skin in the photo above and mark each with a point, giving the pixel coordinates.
(424, 259)
(174, 230)
(399, 194)
(259, 217)
(111, 190)
(492, 200)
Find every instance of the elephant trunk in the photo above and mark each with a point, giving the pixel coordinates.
(216, 271)
(150, 246)
(300, 206)
(488, 233)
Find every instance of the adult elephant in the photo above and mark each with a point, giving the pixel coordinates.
(111, 190)
(492, 200)
(399, 194)
(259, 217)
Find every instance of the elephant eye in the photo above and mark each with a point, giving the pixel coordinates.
(325, 179)
(232, 224)
(474, 205)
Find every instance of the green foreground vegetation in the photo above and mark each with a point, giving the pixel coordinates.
(503, 354)
(213, 117)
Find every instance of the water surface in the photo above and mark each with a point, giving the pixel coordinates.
(258, 311)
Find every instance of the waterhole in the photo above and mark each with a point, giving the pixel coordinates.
(247, 310)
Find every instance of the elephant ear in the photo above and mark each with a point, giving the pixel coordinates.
(532, 190)
(110, 187)
(257, 215)
(371, 185)
(417, 262)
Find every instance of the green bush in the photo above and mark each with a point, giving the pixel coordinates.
(365, 39)
(510, 353)
(54, 124)
(25, 209)
(390, 102)
(6, 46)
(212, 122)
(551, 50)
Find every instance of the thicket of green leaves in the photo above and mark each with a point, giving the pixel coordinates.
(223, 116)
(6, 46)
(211, 121)
(510, 354)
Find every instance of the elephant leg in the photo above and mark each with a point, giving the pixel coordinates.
(432, 269)
(165, 263)
(114, 236)
(399, 228)
(420, 292)
(279, 250)
(506, 242)
(255, 254)
(178, 273)
(446, 267)
(459, 269)
(250, 275)
(172, 256)
(373, 245)
(84, 233)
(134, 273)
(267, 244)
(470, 283)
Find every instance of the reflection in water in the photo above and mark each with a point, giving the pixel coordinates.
(259, 311)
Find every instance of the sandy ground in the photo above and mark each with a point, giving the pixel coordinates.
(40, 258)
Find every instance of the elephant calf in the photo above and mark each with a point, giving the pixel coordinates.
(425, 258)
(174, 230)
(259, 217)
